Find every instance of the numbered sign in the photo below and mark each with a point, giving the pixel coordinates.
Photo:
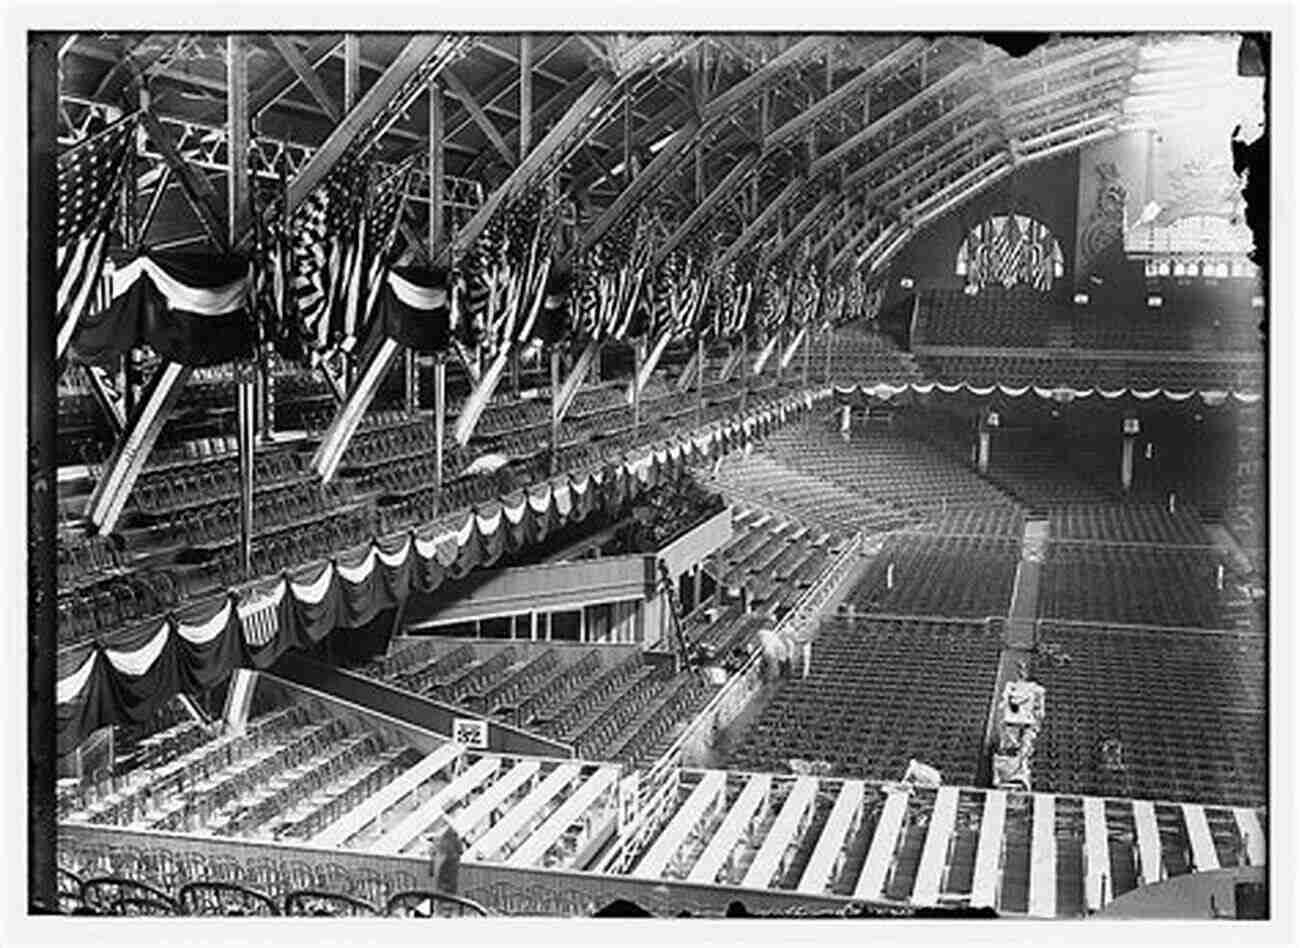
(470, 732)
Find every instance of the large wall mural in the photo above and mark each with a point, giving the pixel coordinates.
(1103, 200)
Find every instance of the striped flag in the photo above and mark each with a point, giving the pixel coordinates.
(1005, 246)
(91, 175)
(326, 232)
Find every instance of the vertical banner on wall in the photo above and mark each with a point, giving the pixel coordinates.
(1111, 176)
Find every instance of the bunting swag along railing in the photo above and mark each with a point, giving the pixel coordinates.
(857, 395)
(192, 309)
(126, 679)
(415, 308)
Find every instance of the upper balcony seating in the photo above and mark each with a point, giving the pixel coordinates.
(180, 533)
(1190, 318)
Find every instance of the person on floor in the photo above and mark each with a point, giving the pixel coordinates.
(775, 653)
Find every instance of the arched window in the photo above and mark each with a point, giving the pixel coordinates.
(1008, 249)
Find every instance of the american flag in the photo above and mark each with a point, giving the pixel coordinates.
(611, 277)
(504, 272)
(382, 221)
(90, 181)
(1009, 247)
(325, 254)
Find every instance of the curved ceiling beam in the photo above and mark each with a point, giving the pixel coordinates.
(841, 95)
(844, 149)
(1013, 77)
(759, 223)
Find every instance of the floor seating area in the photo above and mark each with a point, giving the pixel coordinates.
(1135, 585)
(937, 575)
(881, 692)
(1187, 708)
(1127, 523)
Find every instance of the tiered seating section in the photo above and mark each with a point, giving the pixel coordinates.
(1188, 710)
(762, 481)
(1021, 317)
(769, 563)
(892, 467)
(859, 355)
(882, 691)
(610, 703)
(290, 773)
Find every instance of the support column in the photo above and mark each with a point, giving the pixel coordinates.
(412, 387)
(807, 355)
(846, 421)
(1132, 428)
(245, 375)
(437, 170)
(264, 385)
(555, 409)
(638, 357)
(989, 420)
(439, 426)
(699, 382)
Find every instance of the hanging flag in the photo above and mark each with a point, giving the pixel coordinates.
(325, 254)
(91, 175)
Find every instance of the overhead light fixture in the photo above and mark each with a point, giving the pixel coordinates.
(1155, 302)
(907, 283)
(1257, 302)
(1081, 299)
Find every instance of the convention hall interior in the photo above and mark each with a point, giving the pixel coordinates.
(664, 474)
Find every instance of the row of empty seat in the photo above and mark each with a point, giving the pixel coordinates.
(881, 692)
(1187, 709)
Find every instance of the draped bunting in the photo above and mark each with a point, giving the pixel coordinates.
(856, 394)
(415, 309)
(192, 309)
(128, 679)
